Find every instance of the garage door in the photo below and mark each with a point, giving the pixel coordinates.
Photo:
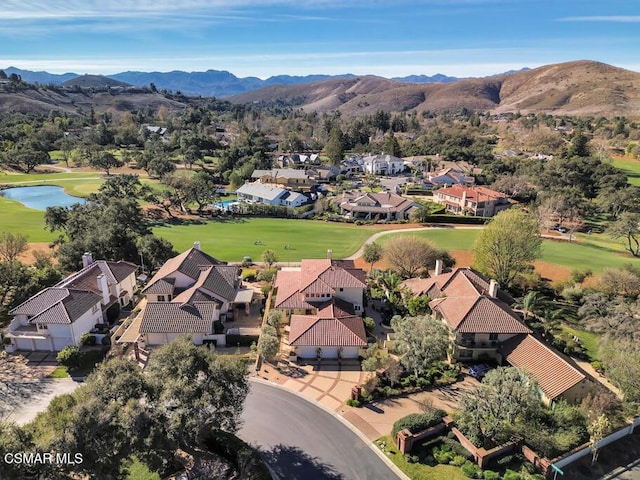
(59, 343)
(23, 343)
(43, 344)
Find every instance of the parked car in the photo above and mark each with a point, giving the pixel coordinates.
(479, 371)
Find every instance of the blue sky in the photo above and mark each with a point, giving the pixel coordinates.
(298, 37)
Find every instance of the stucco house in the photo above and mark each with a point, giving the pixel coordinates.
(58, 316)
(448, 177)
(370, 206)
(187, 295)
(383, 164)
(285, 177)
(323, 300)
(476, 201)
(270, 195)
(483, 327)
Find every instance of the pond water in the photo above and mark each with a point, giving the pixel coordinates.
(41, 197)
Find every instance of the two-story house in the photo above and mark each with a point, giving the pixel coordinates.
(324, 301)
(383, 164)
(187, 295)
(290, 178)
(484, 327)
(476, 201)
(58, 316)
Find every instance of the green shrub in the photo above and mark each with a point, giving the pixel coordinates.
(354, 403)
(69, 357)
(417, 422)
(458, 460)
(490, 475)
(412, 458)
(106, 341)
(511, 475)
(457, 447)
(471, 470)
(443, 454)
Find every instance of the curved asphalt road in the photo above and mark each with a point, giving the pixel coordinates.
(301, 441)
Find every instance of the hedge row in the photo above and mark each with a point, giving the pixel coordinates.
(416, 422)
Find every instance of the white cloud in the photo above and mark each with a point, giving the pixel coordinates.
(604, 18)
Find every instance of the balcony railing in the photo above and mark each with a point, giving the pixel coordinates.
(472, 344)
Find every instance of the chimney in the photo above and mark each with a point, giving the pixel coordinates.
(196, 245)
(438, 269)
(87, 259)
(104, 288)
(464, 199)
(330, 254)
(493, 288)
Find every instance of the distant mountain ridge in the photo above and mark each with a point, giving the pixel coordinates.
(572, 88)
(211, 83)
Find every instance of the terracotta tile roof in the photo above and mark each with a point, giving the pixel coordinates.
(330, 276)
(473, 193)
(187, 263)
(479, 314)
(424, 286)
(86, 279)
(468, 282)
(172, 317)
(55, 305)
(553, 373)
(332, 326)
(287, 284)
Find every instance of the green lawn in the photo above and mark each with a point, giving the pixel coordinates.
(589, 340)
(447, 238)
(16, 218)
(59, 372)
(234, 239)
(595, 251)
(77, 184)
(631, 168)
(418, 471)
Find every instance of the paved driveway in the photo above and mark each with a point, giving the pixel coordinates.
(25, 389)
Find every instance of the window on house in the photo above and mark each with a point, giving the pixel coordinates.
(43, 326)
(161, 298)
(493, 337)
(468, 337)
(356, 308)
(341, 289)
(168, 298)
(95, 308)
(465, 353)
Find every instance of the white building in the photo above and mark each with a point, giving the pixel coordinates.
(383, 164)
(270, 195)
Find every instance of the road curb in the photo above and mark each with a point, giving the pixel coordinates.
(342, 420)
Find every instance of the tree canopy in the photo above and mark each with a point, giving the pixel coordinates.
(411, 255)
(507, 246)
(421, 341)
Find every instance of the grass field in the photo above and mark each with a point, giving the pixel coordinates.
(630, 167)
(419, 471)
(589, 340)
(16, 218)
(594, 252)
(76, 184)
(232, 240)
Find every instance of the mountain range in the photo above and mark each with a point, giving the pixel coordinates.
(212, 83)
(573, 88)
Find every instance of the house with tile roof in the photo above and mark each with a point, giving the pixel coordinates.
(449, 176)
(484, 327)
(370, 206)
(323, 300)
(58, 316)
(291, 178)
(187, 295)
(475, 200)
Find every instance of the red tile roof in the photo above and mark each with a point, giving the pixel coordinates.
(475, 194)
(332, 326)
(552, 372)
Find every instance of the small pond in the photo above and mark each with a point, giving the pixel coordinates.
(41, 197)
